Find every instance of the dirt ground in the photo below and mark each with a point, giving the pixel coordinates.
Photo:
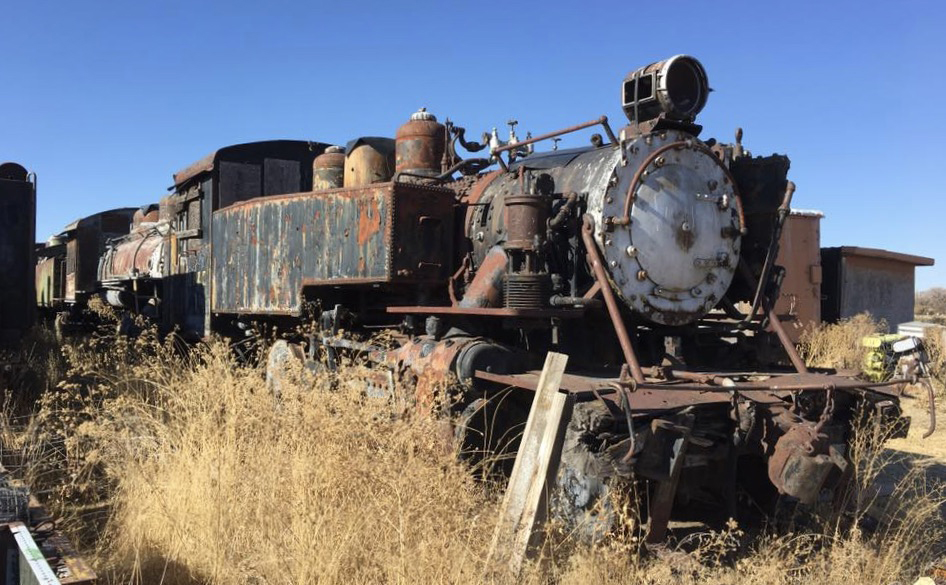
(931, 447)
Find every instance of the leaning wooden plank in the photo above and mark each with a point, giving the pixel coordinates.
(33, 567)
(524, 506)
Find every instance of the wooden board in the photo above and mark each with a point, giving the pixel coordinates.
(524, 509)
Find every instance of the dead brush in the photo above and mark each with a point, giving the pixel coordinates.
(838, 345)
(185, 469)
(213, 481)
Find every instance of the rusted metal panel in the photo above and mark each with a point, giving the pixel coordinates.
(268, 249)
(799, 302)
(17, 241)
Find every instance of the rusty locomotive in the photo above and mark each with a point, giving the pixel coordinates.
(647, 256)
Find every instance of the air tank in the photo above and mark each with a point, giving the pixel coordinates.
(328, 169)
(368, 160)
(419, 145)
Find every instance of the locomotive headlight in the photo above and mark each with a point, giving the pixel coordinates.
(675, 88)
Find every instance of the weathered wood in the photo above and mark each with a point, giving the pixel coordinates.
(525, 503)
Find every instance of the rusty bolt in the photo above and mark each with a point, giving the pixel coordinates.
(631, 251)
(641, 275)
(660, 162)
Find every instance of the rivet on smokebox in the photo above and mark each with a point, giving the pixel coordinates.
(696, 291)
(614, 264)
(631, 251)
(659, 162)
(641, 275)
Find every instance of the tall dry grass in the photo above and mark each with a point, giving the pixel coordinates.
(838, 345)
(179, 467)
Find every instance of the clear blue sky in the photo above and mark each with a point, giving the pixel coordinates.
(104, 100)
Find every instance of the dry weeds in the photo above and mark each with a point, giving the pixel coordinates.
(181, 468)
(838, 345)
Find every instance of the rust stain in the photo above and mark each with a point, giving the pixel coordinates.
(369, 222)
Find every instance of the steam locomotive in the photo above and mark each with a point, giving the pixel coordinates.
(648, 256)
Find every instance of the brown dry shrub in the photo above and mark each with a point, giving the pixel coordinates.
(205, 477)
(838, 345)
(212, 478)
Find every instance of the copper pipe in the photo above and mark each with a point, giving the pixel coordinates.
(603, 120)
(601, 276)
(593, 291)
(776, 327)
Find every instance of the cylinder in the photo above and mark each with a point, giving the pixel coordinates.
(328, 169)
(526, 216)
(369, 160)
(419, 145)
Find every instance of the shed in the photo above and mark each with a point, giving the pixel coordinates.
(858, 279)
